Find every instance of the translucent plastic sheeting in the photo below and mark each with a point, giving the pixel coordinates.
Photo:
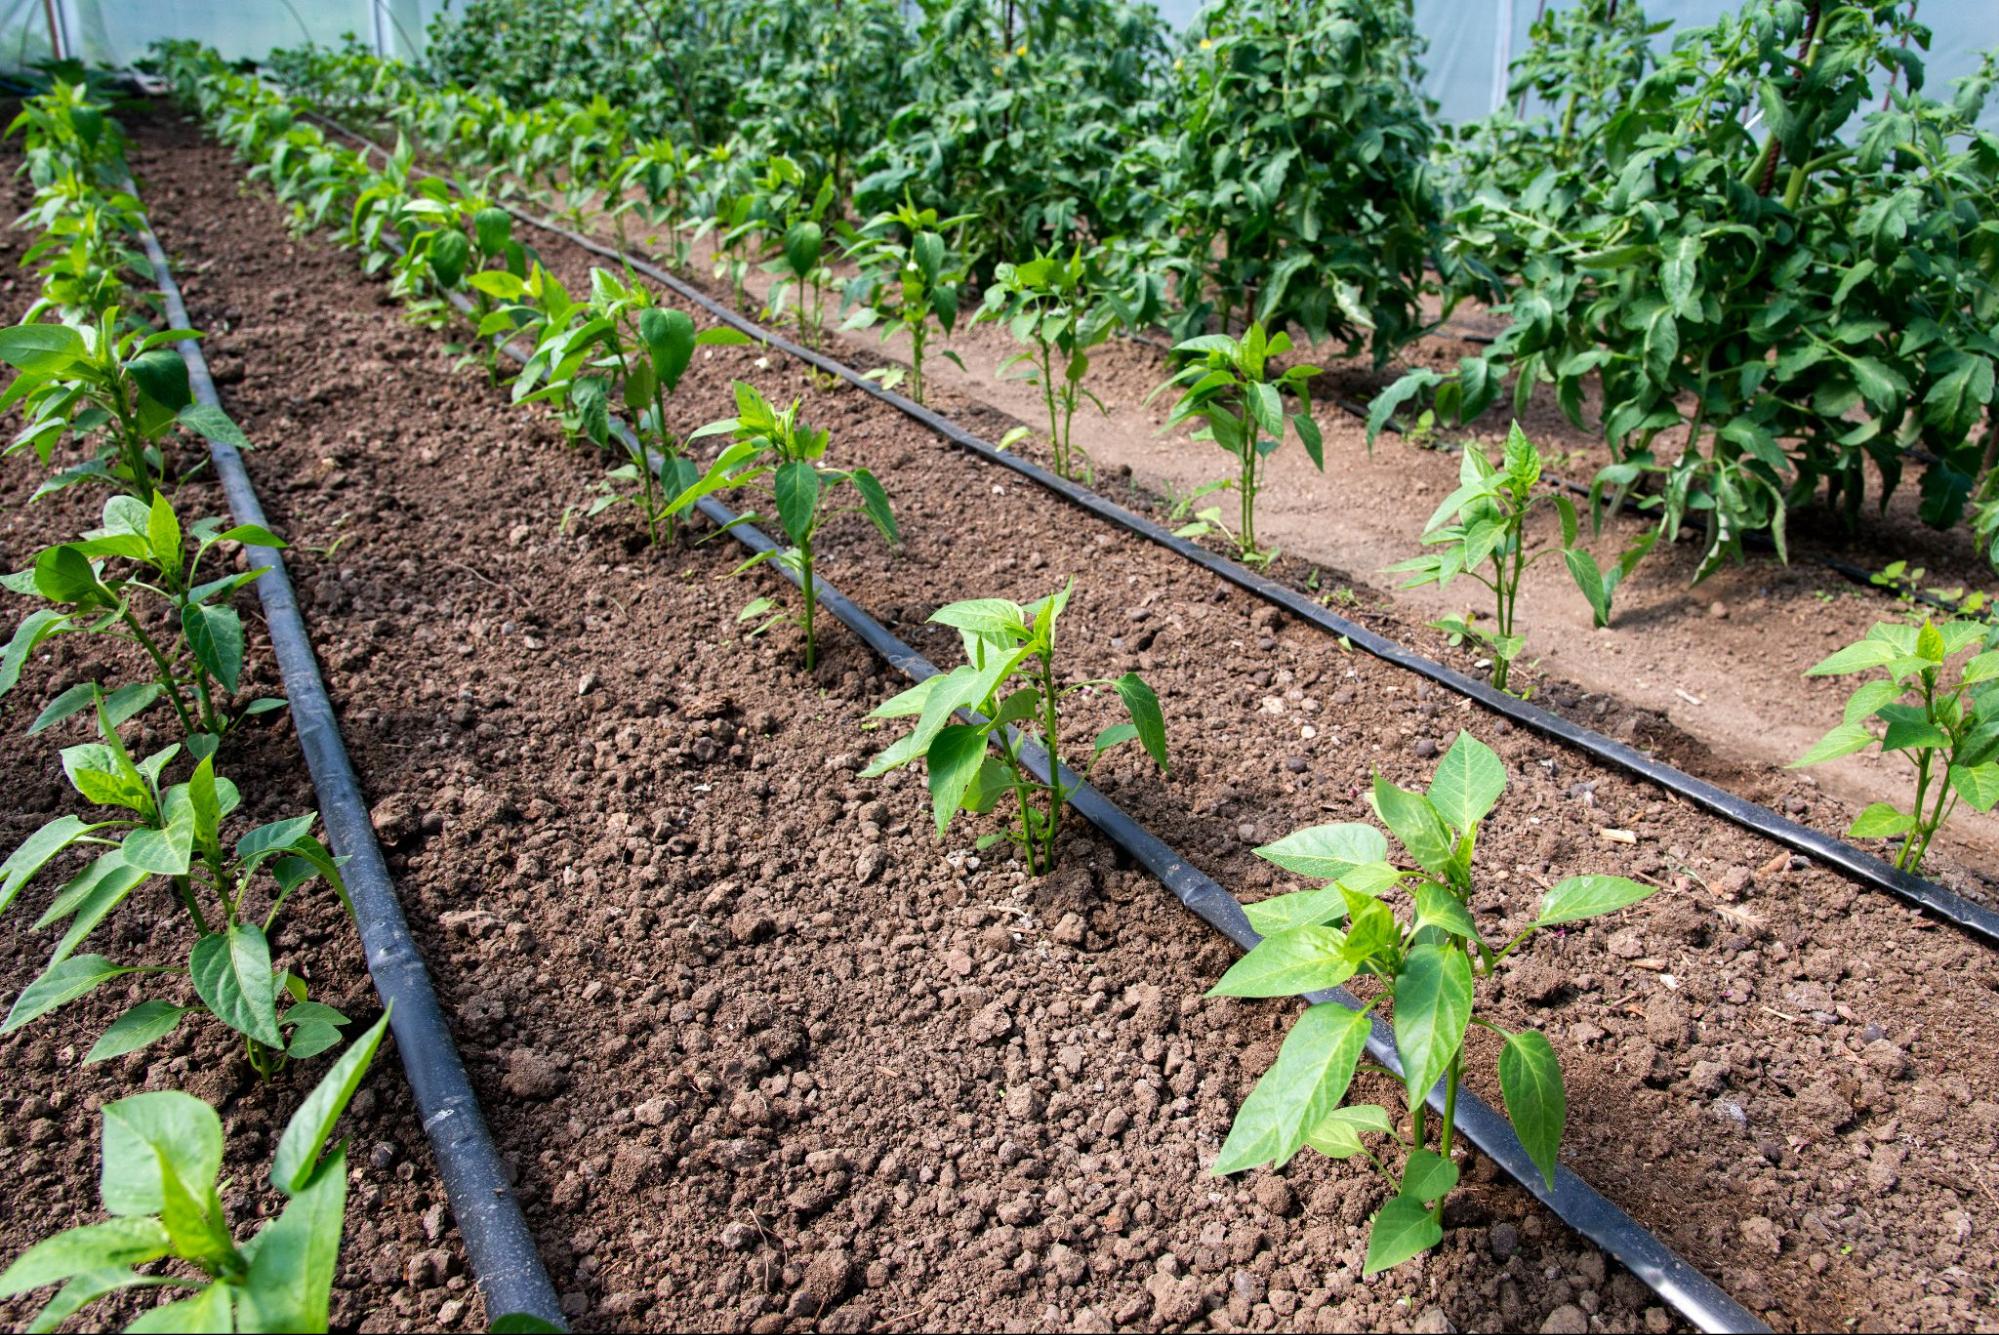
(1471, 42)
(117, 32)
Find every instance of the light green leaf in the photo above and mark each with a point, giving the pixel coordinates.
(1880, 821)
(149, 1135)
(1843, 740)
(145, 1023)
(1469, 780)
(1287, 964)
(1327, 852)
(1402, 1228)
(1307, 1081)
(1143, 706)
(1530, 1080)
(1428, 1176)
(115, 1243)
(1411, 818)
(297, 1155)
(1582, 897)
(232, 974)
(1432, 1008)
(209, 1310)
(954, 759)
(1978, 785)
(61, 984)
(292, 1259)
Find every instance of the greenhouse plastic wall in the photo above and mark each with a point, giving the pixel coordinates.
(1471, 41)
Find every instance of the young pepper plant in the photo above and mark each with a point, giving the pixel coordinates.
(84, 598)
(174, 833)
(122, 388)
(907, 284)
(1482, 523)
(1228, 387)
(781, 446)
(618, 342)
(1428, 961)
(1047, 304)
(1949, 732)
(1009, 684)
(162, 1155)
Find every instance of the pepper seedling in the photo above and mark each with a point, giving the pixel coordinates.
(910, 277)
(85, 598)
(122, 388)
(1009, 685)
(162, 1157)
(174, 833)
(1949, 732)
(1048, 306)
(780, 446)
(1228, 387)
(1427, 961)
(1482, 523)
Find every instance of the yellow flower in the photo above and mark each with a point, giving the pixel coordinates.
(1206, 44)
(1023, 49)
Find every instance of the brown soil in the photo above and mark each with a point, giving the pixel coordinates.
(770, 1054)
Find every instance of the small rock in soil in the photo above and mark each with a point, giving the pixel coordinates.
(1536, 981)
(826, 1282)
(395, 818)
(1274, 1194)
(1568, 1319)
(534, 1075)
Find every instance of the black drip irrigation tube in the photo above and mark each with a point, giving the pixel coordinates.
(1965, 914)
(1692, 1294)
(498, 1246)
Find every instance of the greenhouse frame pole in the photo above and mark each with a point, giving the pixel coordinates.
(375, 28)
(55, 29)
(1502, 53)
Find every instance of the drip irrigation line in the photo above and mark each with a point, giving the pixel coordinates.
(498, 1246)
(1580, 1206)
(1965, 914)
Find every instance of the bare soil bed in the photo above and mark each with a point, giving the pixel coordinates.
(769, 1055)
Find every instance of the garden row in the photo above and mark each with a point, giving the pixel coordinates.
(1235, 389)
(1472, 777)
(102, 390)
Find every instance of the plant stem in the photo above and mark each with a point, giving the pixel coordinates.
(805, 586)
(165, 669)
(184, 887)
(1052, 743)
(1021, 796)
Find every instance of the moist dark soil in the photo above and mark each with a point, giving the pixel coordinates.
(770, 1054)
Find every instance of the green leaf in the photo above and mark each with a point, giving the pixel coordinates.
(61, 984)
(1856, 657)
(1327, 852)
(1302, 908)
(297, 1155)
(982, 616)
(209, 1310)
(1401, 1229)
(1432, 1008)
(1530, 1080)
(1469, 780)
(1411, 818)
(523, 1323)
(1843, 740)
(166, 852)
(1428, 1176)
(1338, 1135)
(293, 1257)
(954, 759)
(34, 852)
(1582, 897)
(116, 1243)
(1143, 706)
(1307, 1081)
(213, 425)
(149, 1136)
(84, 1289)
(161, 376)
(147, 1022)
(1287, 964)
(1978, 785)
(232, 974)
(215, 635)
(41, 349)
(1868, 700)
(797, 484)
(875, 502)
(1436, 906)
